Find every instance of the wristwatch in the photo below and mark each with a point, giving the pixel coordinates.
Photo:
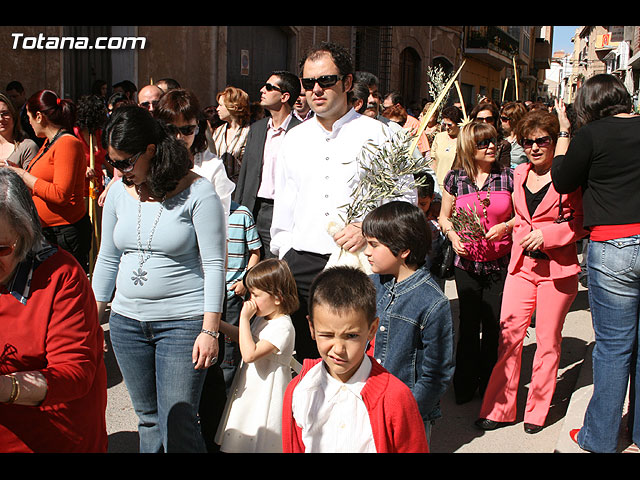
(563, 134)
(209, 332)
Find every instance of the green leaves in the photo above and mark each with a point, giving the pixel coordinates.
(386, 172)
(467, 224)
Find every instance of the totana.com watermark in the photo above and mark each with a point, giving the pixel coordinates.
(42, 42)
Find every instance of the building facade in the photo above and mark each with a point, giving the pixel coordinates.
(206, 59)
(604, 49)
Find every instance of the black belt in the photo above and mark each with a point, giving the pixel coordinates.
(537, 254)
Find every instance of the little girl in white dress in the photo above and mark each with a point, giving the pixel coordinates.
(252, 420)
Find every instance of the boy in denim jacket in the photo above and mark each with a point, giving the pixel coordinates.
(415, 340)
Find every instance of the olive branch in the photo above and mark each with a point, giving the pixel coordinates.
(386, 172)
(467, 224)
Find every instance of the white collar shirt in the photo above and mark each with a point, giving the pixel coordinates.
(316, 173)
(269, 157)
(332, 415)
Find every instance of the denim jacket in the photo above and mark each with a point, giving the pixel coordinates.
(414, 340)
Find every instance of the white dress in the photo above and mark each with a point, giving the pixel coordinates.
(252, 420)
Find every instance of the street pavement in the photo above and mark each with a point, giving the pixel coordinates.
(454, 432)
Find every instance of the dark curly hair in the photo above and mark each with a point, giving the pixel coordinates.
(131, 129)
(91, 113)
(538, 120)
(340, 56)
(452, 113)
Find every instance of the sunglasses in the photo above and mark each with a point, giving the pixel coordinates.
(185, 130)
(541, 142)
(147, 105)
(269, 87)
(485, 119)
(7, 249)
(325, 81)
(125, 165)
(482, 144)
(505, 119)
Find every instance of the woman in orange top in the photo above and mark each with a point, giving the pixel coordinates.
(56, 176)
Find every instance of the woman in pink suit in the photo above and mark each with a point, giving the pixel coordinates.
(543, 265)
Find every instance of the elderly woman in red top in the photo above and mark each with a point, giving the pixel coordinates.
(56, 176)
(53, 388)
(542, 276)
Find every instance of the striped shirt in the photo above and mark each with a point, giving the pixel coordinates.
(242, 238)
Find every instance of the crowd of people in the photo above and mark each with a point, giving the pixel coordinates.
(231, 329)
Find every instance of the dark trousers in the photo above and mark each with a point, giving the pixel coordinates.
(305, 266)
(480, 299)
(262, 215)
(74, 238)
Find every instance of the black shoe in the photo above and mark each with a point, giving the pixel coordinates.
(486, 424)
(531, 428)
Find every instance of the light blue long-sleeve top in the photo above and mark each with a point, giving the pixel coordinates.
(186, 269)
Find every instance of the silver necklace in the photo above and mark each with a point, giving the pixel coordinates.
(140, 276)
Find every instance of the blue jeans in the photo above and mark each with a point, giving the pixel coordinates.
(614, 296)
(155, 361)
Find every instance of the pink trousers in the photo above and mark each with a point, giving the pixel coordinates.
(527, 290)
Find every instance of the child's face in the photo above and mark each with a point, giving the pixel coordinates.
(382, 260)
(267, 305)
(342, 339)
(425, 204)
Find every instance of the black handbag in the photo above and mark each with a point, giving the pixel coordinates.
(442, 266)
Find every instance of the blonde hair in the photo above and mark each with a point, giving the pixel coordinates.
(274, 277)
(237, 102)
(467, 147)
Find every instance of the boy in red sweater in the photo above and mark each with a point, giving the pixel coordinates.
(346, 401)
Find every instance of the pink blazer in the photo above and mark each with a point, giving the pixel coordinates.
(559, 238)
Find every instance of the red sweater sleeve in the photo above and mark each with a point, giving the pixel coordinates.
(395, 419)
(73, 340)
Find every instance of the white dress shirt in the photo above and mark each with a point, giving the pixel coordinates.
(332, 414)
(272, 143)
(316, 172)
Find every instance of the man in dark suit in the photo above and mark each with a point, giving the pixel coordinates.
(255, 186)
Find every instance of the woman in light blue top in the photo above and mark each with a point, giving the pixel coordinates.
(163, 251)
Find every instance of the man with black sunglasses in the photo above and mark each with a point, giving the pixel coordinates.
(255, 187)
(317, 171)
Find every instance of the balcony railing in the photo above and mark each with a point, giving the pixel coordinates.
(492, 39)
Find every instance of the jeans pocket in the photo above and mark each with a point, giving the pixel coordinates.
(619, 256)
